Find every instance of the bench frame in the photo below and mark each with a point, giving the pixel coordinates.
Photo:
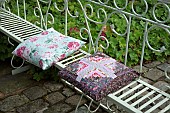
(8, 21)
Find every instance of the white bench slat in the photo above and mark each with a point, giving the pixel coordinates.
(127, 107)
(30, 33)
(12, 26)
(150, 101)
(69, 58)
(63, 63)
(74, 60)
(131, 107)
(13, 36)
(165, 109)
(17, 17)
(142, 98)
(157, 105)
(136, 94)
(130, 91)
(154, 88)
(23, 29)
(11, 22)
(26, 29)
(8, 17)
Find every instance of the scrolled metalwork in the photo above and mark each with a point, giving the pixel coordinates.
(167, 76)
(98, 14)
(56, 7)
(154, 15)
(2, 4)
(146, 8)
(166, 72)
(103, 2)
(162, 49)
(107, 104)
(43, 19)
(126, 3)
(89, 107)
(97, 43)
(82, 31)
(113, 27)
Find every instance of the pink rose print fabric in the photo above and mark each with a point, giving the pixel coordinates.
(47, 48)
(98, 75)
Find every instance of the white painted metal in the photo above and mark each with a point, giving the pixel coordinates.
(136, 94)
(130, 91)
(165, 109)
(149, 102)
(24, 29)
(124, 88)
(19, 70)
(142, 98)
(7, 26)
(76, 56)
(11, 22)
(157, 105)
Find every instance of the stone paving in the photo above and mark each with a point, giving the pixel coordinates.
(21, 94)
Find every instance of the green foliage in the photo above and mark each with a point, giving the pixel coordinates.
(5, 47)
(157, 37)
(39, 74)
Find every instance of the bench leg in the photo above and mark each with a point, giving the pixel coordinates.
(20, 70)
(78, 104)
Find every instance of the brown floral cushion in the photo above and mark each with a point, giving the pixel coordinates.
(98, 75)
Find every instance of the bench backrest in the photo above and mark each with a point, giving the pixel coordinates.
(128, 30)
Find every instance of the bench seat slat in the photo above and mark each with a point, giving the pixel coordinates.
(142, 98)
(150, 101)
(157, 105)
(28, 35)
(25, 29)
(16, 27)
(165, 109)
(131, 90)
(136, 94)
(75, 60)
(77, 55)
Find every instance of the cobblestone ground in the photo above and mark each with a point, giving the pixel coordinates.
(20, 94)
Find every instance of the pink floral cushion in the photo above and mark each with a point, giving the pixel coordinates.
(98, 75)
(47, 48)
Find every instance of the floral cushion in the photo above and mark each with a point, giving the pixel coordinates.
(47, 48)
(98, 75)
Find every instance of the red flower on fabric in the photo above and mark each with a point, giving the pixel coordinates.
(47, 55)
(38, 45)
(33, 39)
(41, 63)
(62, 56)
(27, 51)
(20, 51)
(53, 46)
(36, 53)
(44, 33)
(73, 45)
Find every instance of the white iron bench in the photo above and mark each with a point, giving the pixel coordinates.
(20, 29)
